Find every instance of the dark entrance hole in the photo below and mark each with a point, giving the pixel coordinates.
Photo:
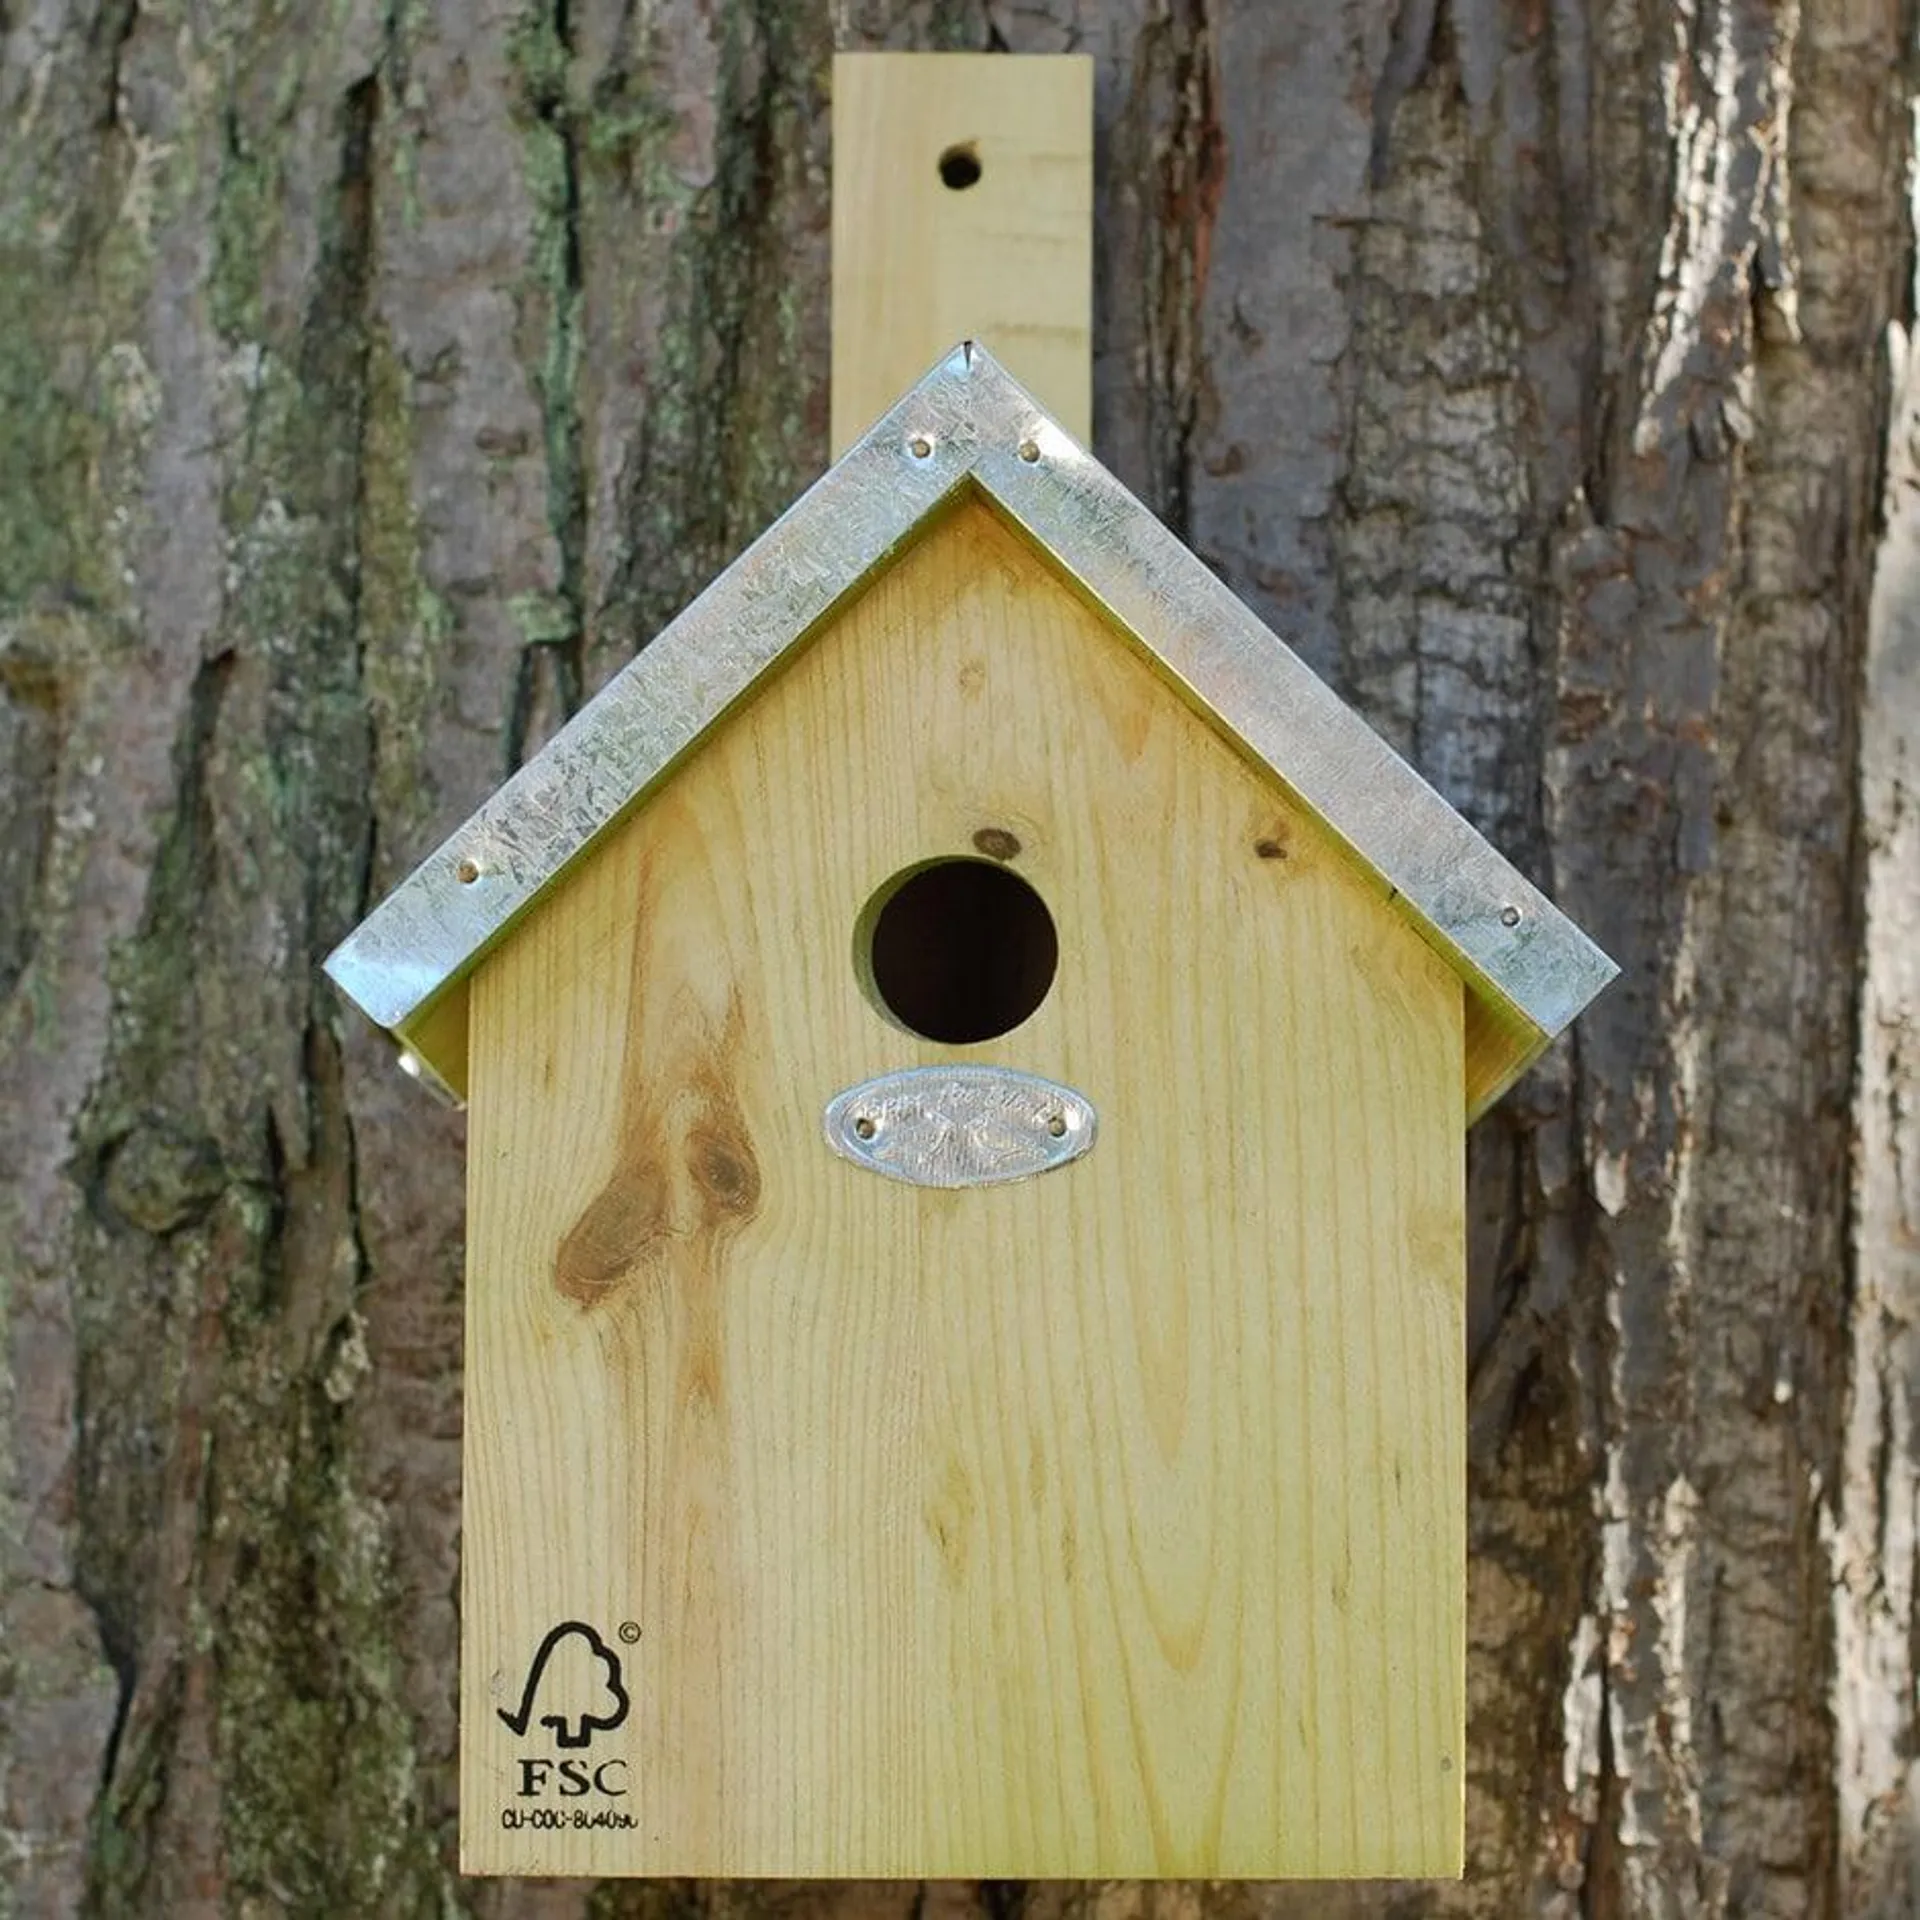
(960, 951)
(960, 167)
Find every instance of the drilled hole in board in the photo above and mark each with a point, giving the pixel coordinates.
(960, 167)
(958, 950)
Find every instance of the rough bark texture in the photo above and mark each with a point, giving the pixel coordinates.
(373, 383)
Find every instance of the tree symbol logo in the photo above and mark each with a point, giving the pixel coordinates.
(583, 1693)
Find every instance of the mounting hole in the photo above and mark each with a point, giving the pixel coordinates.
(467, 872)
(960, 167)
(958, 950)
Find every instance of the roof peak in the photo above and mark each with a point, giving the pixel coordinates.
(968, 422)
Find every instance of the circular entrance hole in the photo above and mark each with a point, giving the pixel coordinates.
(960, 167)
(959, 951)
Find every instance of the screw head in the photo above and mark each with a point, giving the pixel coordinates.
(1509, 916)
(920, 447)
(1029, 451)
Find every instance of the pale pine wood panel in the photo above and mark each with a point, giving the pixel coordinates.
(1501, 1043)
(919, 267)
(1106, 1524)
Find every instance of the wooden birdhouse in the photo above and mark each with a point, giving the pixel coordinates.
(968, 1045)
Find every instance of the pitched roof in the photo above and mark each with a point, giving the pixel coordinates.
(1527, 968)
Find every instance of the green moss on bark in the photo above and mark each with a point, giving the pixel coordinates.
(731, 430)
(236, 1560)
(404, 629)
(550, 307)
(322, 1808)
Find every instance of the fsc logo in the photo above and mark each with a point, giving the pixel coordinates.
(574, 1688)
(587, 1702)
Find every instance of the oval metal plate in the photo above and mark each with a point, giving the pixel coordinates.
(959, 1126)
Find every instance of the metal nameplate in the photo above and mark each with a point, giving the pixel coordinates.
(959, 1126)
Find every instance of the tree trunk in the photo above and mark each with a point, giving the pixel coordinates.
(373, 383)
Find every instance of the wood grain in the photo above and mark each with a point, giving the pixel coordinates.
(1109, 1524)
(919, 266)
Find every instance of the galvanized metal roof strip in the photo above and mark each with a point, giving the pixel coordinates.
(968, 423)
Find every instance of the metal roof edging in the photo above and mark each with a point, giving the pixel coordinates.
(967, 421)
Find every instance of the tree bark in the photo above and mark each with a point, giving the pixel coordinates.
(375, 382)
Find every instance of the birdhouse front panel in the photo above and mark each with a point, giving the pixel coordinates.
(1102, 1522)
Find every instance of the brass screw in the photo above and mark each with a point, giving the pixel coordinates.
(1029, 451)
(467, 872)
(920, 447)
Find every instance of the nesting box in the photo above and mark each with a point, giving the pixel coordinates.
(968, 1045)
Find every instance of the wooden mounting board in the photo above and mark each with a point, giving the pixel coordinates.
(1105, 1525)
(919, 266)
